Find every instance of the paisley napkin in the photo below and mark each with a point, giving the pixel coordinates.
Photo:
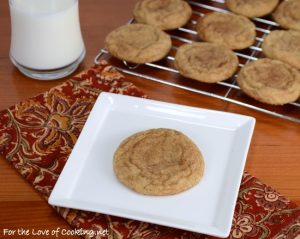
(38, 134)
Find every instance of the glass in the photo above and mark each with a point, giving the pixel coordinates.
(46, 40)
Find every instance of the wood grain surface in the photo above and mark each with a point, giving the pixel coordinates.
(274, 155)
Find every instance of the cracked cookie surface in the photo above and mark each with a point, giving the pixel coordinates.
(270, 81)
(287, 14)
(283, 45)
(165, 14)
(252, 8)
(138, 43)
(206, 62)
(158, 162)
(233, 31)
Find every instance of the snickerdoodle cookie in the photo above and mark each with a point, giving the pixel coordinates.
(287, 14)
(206, 62)
(252, 8)
(138, 43)
(158, 162)
(231, 30)
(283, 45)
(165, 14)
(270, 81)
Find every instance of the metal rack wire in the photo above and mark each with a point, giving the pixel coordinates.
(230, 91)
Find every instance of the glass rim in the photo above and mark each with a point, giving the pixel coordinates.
(50, 12)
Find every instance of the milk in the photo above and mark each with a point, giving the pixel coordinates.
(45, 33)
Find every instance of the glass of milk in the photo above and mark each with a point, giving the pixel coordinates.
(46, 40)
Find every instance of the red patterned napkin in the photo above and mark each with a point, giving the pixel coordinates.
(37, 136)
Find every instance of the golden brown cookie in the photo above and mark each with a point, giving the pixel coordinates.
(165, 14)
(231, 30)
(158, 162)
(252, 8)
(206, 62)
(287, 14)
(270, 81)
(138, 43)
(283, 45)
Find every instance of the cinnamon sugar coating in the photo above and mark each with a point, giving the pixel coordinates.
(252, 8)
(164, 14)
(158, 162)
(287, 14)
(138, 43)
(270, 81)
(233, 31)
(206, 62)
(284, 46)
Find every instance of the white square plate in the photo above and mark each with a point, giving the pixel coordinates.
(89, 183)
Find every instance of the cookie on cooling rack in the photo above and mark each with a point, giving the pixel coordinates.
(206, 62)
(166, 14)
(283, 45)
(158, 162)
(287, 14)
(231, 30)
(138, 43)
(270, 81)
(252, 8)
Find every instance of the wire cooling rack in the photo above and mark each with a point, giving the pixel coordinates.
(227, 90)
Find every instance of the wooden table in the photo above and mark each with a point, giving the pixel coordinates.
(274, 155)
